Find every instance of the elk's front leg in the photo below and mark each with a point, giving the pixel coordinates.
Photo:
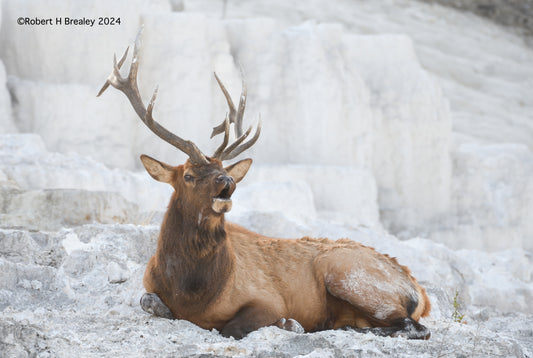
(251, 318)
(151, 303)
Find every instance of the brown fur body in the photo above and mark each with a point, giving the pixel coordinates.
(219, 275)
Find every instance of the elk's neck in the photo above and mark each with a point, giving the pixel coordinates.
(186, 232)
(193, 252)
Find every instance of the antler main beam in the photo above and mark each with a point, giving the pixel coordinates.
(129, 87)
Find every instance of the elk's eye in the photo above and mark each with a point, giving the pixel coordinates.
(188, 178)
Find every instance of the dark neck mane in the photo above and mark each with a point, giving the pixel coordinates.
(193, 253)
(189, 232)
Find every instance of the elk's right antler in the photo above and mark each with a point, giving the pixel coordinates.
(129, 87)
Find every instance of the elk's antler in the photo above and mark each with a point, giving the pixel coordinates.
(235, 117)
(129, 87)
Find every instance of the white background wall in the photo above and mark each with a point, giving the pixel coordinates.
(416, 105)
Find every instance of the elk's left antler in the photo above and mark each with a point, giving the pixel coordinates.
(235, 117)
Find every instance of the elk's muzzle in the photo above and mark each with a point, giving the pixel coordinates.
(221, 203)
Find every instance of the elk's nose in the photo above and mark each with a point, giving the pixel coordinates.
(224, 179)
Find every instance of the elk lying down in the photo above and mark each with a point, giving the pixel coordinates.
(219, 275)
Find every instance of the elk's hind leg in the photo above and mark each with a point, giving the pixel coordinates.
(378, 288)
(403, 327)
(151, 303)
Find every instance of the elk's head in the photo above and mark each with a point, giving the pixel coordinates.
(204, 188)
(202, 183)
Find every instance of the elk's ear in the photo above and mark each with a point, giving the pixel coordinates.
(158, 170)
(238, 170)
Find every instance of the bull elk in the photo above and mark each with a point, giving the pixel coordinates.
(219, 275)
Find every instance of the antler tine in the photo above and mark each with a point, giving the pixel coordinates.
(232, 112)
(222, 146)
(235, 117)
(235, 144)
(115, 73)
(129, 87)
(242, 105)
(235, 152)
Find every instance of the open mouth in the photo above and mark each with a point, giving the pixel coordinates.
(222, 202)
(225, 194)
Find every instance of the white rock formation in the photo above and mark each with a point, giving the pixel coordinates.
(483, 70)
(78, 290)
(26, 165)
(382, 113)
(46, 209)
(6, 118)
(492, 198)
(66, 54)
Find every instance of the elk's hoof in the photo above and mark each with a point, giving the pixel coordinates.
(290, 325)
(151, 303)
(411, 329)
